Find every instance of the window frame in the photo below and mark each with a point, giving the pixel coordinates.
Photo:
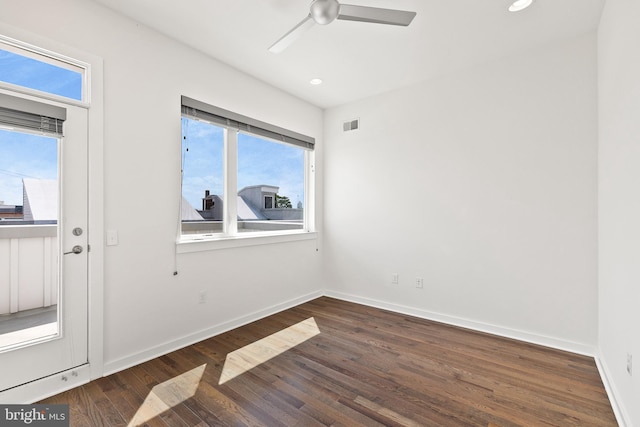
(48, 57)
(233, 124)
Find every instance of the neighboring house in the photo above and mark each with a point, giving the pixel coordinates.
(40, 199)
(211, 207)
(261, 200)
(10, 211)
(259, 197)
(255, 203)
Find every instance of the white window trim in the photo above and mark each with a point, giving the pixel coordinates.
(229, 203)
(205, 242)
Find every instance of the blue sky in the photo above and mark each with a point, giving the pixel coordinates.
(23, 71)
(202, 160)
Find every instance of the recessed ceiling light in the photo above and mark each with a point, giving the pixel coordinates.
(519, 5)
(316, 81)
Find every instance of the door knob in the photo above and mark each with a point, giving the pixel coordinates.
(77, 249)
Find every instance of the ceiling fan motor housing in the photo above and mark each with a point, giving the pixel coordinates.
(323, 12)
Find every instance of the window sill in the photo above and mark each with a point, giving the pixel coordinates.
(209, 243)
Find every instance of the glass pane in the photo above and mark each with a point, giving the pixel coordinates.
(202, 177)
(271, 185)
(28, 238)
(33, 74)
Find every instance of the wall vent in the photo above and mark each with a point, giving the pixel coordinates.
(351, 125)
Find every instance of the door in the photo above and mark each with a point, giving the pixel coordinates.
(43, 244)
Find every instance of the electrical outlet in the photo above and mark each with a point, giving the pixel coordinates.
(395, 279)
(419, 283)
(629, 363)
(202, 297)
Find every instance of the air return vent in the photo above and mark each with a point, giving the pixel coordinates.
(351, 125)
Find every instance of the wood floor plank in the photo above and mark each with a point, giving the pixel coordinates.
(212, 403)
(135, 393)
(334, 363)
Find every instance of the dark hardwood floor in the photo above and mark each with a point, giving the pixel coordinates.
(330, 362)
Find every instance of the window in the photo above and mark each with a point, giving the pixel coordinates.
(202, 177)
(268, 202)
(241, 176)
(269, 172)
(32, 68)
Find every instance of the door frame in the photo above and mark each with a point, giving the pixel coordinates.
(48, 386)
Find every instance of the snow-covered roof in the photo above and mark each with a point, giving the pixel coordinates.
(40, 198)
(188, 213)
(246, 212)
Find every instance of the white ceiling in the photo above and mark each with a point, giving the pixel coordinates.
(356, 59)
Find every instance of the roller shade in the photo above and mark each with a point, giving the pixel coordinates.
(199, 110)
(32, 116)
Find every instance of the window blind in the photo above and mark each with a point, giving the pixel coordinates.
(200, 110)
(31, 115)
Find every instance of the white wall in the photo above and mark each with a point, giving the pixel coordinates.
(146, 308)
(484, 184)
(619, 200)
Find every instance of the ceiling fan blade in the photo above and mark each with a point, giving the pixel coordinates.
(349, 12)
(286, 40)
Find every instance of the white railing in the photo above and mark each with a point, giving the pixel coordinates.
(28, 267)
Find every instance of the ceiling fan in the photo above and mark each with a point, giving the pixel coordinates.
(324, 12)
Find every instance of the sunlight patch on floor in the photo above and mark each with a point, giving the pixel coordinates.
(168, 394)
(254, 354)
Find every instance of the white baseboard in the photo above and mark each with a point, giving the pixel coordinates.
(618, 410)
(162, 349)
(573, 347)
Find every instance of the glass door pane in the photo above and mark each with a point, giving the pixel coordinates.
(29, 278)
